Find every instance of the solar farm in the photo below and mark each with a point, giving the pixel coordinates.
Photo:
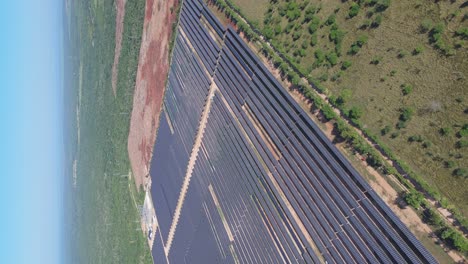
(241, 174)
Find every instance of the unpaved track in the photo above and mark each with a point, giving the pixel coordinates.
(152, 71)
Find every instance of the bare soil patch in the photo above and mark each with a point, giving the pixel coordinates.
(152, 71)
(119, 25)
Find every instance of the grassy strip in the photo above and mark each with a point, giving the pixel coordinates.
(413, 182)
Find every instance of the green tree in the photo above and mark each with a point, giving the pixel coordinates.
(414, 198)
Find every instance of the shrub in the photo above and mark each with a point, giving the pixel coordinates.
(314, 25)
(450, 164)
(309, 13)
(356, 46)
(382, 5)
(414, 198)
(295, 79)
(406, 89)
(462, 144)
(401, 124)
(464, 131)
(330, 20)
(426, 25)
(278, 29)
(415, 138)
(328, 112)
(455, 239)
(336, 35)
(402, 53)
(354, 49)
(460, 172)
(268, 32)
(313, 39)
(377, 21)
(353, 10)
(319, 56)
(427, 144)
(362, 40)
(345, 65)
(462, 32)
(395, 134)
(406, 114)
(376, 60)
(445, 131)
(332, 58)
(367, 23)
(355, 113)
(418, 50)
(385, 130)
(433, 218)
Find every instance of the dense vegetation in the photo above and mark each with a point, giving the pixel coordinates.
(107, 226)
(385, 83)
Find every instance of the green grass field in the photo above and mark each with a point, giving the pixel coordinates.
(379, 57)
(253, 10)
(106, 220)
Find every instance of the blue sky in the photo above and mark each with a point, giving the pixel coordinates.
(31, 145)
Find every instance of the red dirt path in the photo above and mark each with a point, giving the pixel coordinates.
(153, 67)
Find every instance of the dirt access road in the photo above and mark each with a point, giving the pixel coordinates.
(153, 67)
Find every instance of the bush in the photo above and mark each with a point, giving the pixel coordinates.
(460, 172)
(357, 45)
(313, 39)
(402, 54)
(406, 89)
(415, 138)
(319, 56)
(427, 144)
(354, 49)
(385, 130)
(295, 79)
(445, 131)
(382, 5)
(330, 20)
(353, 10)
(377, 21)
(450, 164)
(433, 218)
(455, 239)
(401, 124)
(332, 58)
(426, 25)
(464, 131)
(414, 198)
(462, 32)
(345, 65)
(395, 134)
(418, 50)
(355, 113)
(314, 25)
(462, 144)
(376, 60)
(406, 114)
(309, 13)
